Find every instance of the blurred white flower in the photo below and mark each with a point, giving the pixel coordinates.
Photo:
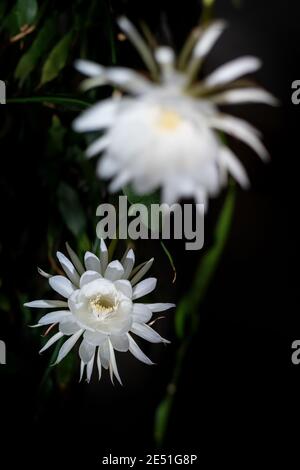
(166, 132)
(101, 308)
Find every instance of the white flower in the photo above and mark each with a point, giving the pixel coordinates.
(166, 132)
(101, 308)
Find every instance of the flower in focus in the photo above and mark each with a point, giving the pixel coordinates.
(100, 307)
(167, 132)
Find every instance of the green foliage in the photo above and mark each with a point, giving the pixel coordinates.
(26, 12)
(71, 209)
(57, 59)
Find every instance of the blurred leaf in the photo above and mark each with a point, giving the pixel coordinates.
(73, 103)
(37, 49)
(170, 258)
(4, 303)
(10, 23)
(65, 370)
(56, 136)
(189, 304)
(57, 59)
(71, 209)
(161, 419)
(26, 12)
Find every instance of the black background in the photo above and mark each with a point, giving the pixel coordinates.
(238, 398)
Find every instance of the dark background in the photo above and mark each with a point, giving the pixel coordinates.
(238, 397)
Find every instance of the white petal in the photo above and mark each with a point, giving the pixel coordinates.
(128, 263)
(233, 70)
(137, 352)
(128, 80)
(68, 327)
(97, 117)
(68, 268)
(94, 337)
(54, 317)
(92, 262)
(103, 255)
(46, 303)
(234, 167)
(89, 369)
(82, 367)
(86, 351)
(208, 39)
(67, 346)
(141, 272)
(86, 67)
(113, 369)
(75, 260)
(121, 180)
(160, 307)
(104, 354)
(43, 273)
(245, 95)
(240, 130)
(99, 365)
(124, 286)
(107, 167)
(51, 341)
(141, 313)
(144, 287)
(120, 342)
(146, 332)
(165, 55)
(62, 285)
(89, 276)
(114, 271)
(97, 146)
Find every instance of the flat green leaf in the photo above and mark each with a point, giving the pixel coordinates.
(161, 419)
(57, 59)
(71, 209)
(26, 12)
(37, 49)
(189, 304)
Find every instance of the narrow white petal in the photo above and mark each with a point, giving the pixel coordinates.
(61, 285)
(99, 365)
(43, 273)
(89, 369)
(144, 287)
(141, 313)
(114, 271)
(97, 117)
(82, 367)
(128, 80)
(233, 70)
(92, 262)
(121, 180)
(68, 327)
(86, 351)
(75, 260)
(95, 338)
(51, 341)
(245, 95)
(241, 130)
(137, 352)
(89, 276)
(68, 345)
(160, 307)
(103, 255)
(107, 167)
(144, 269)
(124, 286)
(165, 55)
(128, 263)
(112, 363)
(234, 167)
(208, 39)
(104, 354)
(46, 303)
(120, 342)
(146, 332)
(54, 317)
(97, 146)
(86, 67)
(68, 268)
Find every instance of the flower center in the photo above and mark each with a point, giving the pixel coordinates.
(169, 120)
(102, 305)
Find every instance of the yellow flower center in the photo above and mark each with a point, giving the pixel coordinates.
(102, 304)
(169, 120)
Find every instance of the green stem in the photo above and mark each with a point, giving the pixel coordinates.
(65, 101)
